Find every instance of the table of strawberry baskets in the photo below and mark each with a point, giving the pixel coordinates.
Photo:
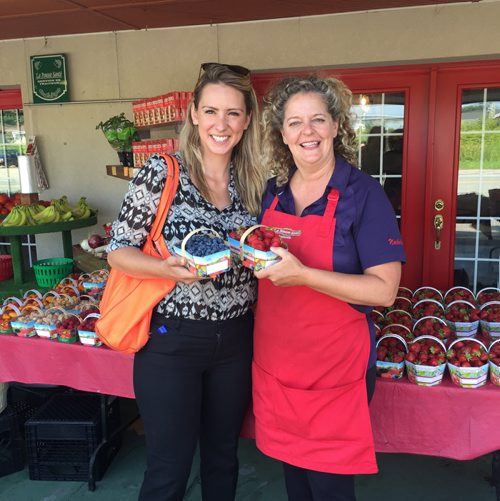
(416, 410)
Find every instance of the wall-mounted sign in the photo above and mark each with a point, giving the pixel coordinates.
(49, 79)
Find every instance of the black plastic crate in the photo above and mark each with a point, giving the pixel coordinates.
(12, 449)
(34, 394)
(64, 433)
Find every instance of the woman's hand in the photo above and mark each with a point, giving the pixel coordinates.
(175, 269)
(377, 286)
(286, 273)
(137, 264)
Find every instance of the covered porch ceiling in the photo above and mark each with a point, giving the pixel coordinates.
(38, 18)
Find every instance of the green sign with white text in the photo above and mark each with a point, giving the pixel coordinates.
(48, 76)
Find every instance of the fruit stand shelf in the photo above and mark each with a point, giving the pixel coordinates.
(121, 171)
(8, 231)
(22, 278)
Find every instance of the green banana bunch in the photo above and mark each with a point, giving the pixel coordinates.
(31, 211)
(47, 215)
(82, 210)
(16, 217)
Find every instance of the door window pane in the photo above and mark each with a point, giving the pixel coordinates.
(380, 125)
(478, 193)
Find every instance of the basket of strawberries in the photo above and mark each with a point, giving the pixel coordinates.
(459, 293)
(488, 294)
(391, 350)
(252, 246)
(400, 330)
(426, 361)
(489, 316)
(428, 308)
(494, 356)
(67, 328)
(378, 318)
(463, 318)
(399, 317)
(86, 330)
(468, 362)
(404, 292)
(402, 303)
(426, 292)
(433, 326)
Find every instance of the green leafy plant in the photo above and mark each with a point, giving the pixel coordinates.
(119, 131)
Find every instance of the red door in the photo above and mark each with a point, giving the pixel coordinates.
(408, 128)
(464, 173)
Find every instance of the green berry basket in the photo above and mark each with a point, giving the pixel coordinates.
(49, 272)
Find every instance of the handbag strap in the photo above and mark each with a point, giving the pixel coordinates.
(167, 197)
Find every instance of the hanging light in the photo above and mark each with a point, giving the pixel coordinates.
(364, 100)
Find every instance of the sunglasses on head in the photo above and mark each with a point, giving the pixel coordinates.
(239, 70)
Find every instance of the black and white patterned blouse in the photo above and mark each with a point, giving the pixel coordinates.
(228, 295)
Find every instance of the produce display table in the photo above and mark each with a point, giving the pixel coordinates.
(14, 234)
(85, 368)
(443, 420)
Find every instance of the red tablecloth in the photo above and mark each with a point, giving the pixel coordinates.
(85, 368)
(443, 420)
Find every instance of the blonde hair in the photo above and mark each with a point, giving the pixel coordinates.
(250, 177)
(338, 100)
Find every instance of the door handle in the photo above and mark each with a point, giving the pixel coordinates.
(438, 226)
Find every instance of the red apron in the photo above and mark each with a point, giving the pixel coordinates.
(310, 359)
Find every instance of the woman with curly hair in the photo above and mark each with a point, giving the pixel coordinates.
(314, 356)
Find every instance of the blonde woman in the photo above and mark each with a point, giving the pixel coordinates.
(192, 379)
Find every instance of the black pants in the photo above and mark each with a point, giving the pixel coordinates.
(192, 384)
(310, 485)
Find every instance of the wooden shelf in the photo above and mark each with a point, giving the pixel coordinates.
(176, 125)
(121, 172)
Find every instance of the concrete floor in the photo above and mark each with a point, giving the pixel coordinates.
(402, 477)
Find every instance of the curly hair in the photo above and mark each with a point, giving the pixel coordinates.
(250, 177)
(338, 100)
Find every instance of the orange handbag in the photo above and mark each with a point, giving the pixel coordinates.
(127, 302)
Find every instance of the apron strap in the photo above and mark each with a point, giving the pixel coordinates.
(329, 214)
(274, 203)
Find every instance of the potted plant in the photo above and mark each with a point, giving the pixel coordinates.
(120, 133)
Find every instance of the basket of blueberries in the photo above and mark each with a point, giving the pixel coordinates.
(206, 253)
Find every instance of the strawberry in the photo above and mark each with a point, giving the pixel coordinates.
(459, 294)
(400, 317)
(428, 308)
(390, 349)
(426, 351)
(468, 353)
(488, 295)
(426, 293)
(263, 239)
(461, 311)
(432, 326)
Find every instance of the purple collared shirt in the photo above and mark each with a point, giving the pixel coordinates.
(366, 231)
